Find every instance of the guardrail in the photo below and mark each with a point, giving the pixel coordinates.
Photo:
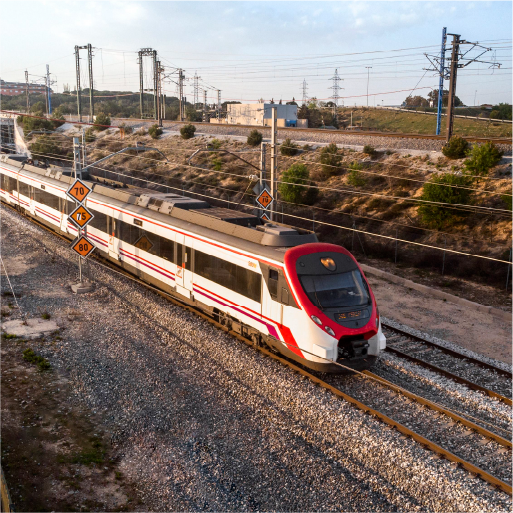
(6, 503)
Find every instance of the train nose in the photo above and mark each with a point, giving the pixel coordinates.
(352, 347)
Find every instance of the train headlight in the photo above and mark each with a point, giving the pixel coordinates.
(329, 330)
(316, 320)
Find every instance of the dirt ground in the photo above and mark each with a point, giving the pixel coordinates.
(54, 455)
(469, 328)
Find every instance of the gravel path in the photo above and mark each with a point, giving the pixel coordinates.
(202, 422)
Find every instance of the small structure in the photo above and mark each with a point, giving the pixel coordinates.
(260, 114)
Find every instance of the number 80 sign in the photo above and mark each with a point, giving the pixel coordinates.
(83, 246)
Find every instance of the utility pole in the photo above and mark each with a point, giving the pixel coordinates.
(147, 52)
(368, 77)
(77, 69)
(91, 86)
(49, 98)
(141, 84)
(196, 89)
(180, 92)
(218, 104)
(158, 92)
(441, 82)
(452, 84)
(155, 86)
(27, 89)
(274, 134)
(305, 97)
(204, 105)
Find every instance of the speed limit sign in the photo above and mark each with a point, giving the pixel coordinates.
(83, 246)
(79, 191)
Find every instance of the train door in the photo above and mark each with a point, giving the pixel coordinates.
(64, 216)
(183, 277)
(113, 241)
(271, 307)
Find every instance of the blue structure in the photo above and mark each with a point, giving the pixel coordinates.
(441, 83)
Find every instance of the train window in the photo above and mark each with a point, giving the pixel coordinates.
(70, 206)
(49, 199)
(99, 221)
(179, 255)
(24, 189)
(2, 182)
(229, 275)
(273, 283)
(167, 249)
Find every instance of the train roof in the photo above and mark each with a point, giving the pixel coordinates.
(228, 226)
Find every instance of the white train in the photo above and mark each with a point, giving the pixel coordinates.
(272, 283)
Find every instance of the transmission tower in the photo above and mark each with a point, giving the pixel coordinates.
(89, 49)
(204, 105)
(455, 61)
(305, 98)
(336, 88)
(148, 52)
(196, 89)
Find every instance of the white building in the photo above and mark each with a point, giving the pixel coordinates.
(260, 114)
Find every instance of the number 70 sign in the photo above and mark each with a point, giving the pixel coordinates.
(78, 191)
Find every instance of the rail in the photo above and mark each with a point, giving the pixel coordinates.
(6, 503)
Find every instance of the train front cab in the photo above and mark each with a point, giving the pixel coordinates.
(341, 322)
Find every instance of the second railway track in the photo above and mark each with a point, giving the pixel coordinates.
(455, 438)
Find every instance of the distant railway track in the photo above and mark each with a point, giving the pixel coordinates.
(370, 133)
(480, 446)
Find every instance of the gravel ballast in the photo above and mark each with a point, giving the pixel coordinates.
(202, 422)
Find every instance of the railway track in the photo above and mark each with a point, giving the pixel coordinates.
(475, 374)
(461, 441)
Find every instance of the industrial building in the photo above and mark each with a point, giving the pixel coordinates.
(16, 88)
(260, 114)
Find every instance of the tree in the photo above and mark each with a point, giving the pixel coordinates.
(187, 131)
(254, 138)
(433, 95)
(501, 111)
(482, 158)
(313, 103)
(44, 147)
(416, 101)
(37, 123)
(101, 122)
(330, 160)
(439, 190)
(456, 148)
(293, 102)
(295, 186)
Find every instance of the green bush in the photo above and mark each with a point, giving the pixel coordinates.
(101, 119)
(369, 150)
(90, 136)
(45, 147)
(31, 357)
(218, 163)
(215, 144)
(288, 148)
(482, 158)
(506, 199)
(292, 187)
(187, 131)
(456, 148)
(439, 190)
(330, 160)
(30, 124)
(355, 178)
(155, 131)
(254, 138)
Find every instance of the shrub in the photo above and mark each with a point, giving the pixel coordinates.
(507, 200)
(254, 138)
(356, 179)
(90, 136)
(155, 131)
(439, 190)
(101, 119)
(57, 120)
(482, 158)
(292, 187)
(218, 163)
(456, 148)
(187, 131)
(288, 148)
(215, 144)
(30, 124)
(45, 147)
(330, 160)
(31, 357)
(369, 150)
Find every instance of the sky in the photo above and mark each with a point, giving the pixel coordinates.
(252, 50)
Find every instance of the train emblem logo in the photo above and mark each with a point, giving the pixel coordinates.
(82, 246)
(264, 199)
(78, 191)
(81, 216)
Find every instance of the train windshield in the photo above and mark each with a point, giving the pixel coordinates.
(336, 290)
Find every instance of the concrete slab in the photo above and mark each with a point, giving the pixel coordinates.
(34, 328)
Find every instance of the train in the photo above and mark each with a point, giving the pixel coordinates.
(274, 284)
